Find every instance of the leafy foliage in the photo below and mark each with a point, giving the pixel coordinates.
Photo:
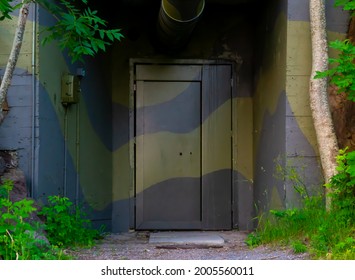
(23, 239)
(342, 70)
(299, 247)
(5, 9)
(342, 74)
(78, 29)
(311, 228)
(66, 224)
(348, 5)
(343, 187)
(81, 32)
(18, 235)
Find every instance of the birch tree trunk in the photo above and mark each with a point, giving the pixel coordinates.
(318, 93)
(11, 64)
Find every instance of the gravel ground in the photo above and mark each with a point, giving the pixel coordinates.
(136, 246)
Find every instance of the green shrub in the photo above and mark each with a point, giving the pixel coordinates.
(342, 187)
(324, 234)
(66, 224)
(18, 236)
(23, 239)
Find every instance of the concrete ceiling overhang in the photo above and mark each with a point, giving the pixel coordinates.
(168, 31)
(154, 2)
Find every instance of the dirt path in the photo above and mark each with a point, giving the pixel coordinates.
(136, 246)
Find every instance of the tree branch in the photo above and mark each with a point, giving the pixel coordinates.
(11, 64)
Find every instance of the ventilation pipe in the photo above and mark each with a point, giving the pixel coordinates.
(177, 19)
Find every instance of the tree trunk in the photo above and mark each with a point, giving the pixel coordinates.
(322, 119)
(11, 64)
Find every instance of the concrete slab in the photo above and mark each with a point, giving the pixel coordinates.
(186, 239)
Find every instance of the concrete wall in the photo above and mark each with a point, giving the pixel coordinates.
(301, 147)
(16, 132)
(62, 150)
(302, 155)
(84, 151)
(269, 103)
(75, 141)
(283, 121)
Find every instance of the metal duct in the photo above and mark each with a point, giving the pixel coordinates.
(177, 19)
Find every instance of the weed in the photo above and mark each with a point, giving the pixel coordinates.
(342, 187)
(311, 228)
(66, 224)
(20, 237)
(253, 240)
(17, 233)
(298, 247)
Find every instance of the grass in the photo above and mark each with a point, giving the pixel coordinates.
(323, 234)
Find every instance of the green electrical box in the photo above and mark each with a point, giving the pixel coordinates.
(70, 89)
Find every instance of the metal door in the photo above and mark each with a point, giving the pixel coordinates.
(180, 136)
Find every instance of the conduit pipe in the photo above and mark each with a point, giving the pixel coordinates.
(34, 124)
(177, 20)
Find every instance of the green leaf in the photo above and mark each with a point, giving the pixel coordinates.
(109, 35)
(119, 36)
(94, 45)
(80, 31)
(101, 45)
(102, 34)
(5, 9)
(320, 75)
(338, 3)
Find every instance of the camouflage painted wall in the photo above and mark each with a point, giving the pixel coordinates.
(269, 103)
(75, 141)
(283, 121)
(64, 151)
(303, 155)
(84, 151)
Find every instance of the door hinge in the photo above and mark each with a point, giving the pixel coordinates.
(134, 87)
(232, 82)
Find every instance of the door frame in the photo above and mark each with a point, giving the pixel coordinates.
(132, 127)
